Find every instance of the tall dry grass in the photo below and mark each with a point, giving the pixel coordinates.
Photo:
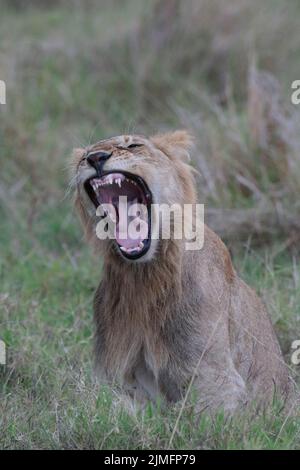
(249, 163)
(233, 63)
(221, 68)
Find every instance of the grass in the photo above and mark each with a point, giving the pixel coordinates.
(48, 395)
(73, 78)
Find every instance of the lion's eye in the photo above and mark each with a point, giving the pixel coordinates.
(132, 146)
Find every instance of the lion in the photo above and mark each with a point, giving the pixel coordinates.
(165, 317)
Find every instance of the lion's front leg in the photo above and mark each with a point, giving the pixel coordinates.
(141, 384)
(220, 387)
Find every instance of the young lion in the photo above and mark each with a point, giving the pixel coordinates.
(167, 317)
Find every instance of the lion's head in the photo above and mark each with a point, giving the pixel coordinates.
(147, 171)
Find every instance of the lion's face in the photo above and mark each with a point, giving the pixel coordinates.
(124, 176)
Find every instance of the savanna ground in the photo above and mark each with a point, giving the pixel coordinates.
(77, 72)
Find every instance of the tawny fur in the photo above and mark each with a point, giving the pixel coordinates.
(179, 314)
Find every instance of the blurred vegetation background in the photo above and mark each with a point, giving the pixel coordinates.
(78, 71)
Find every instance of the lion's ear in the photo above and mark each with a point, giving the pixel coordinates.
(175, 144)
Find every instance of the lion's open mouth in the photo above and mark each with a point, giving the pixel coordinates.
(126, 200)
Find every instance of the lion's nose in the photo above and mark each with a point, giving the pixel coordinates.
(97, 160)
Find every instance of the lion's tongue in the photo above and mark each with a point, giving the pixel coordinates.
(122, 196)
(124, 236)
